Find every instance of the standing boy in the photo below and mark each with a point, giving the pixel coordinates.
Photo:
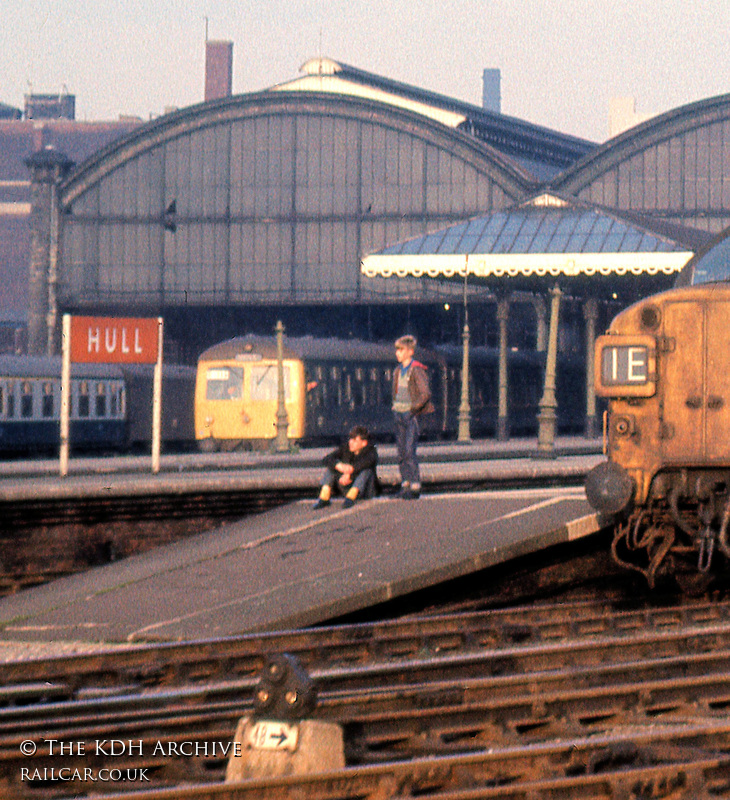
(411, 398)
(351, 468)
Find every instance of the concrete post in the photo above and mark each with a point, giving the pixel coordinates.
(464, 434)
(590, 313)
(503, 382)
(47, 168)
(548, 404)
(464, 431)
(282, 419)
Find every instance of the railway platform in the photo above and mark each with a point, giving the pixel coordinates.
(482, 462)
(293, 566)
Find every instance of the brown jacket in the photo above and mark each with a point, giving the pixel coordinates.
(417, 388)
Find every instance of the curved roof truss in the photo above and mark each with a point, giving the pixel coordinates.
(514, 181)
(647, 134)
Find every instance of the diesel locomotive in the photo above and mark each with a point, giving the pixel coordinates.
(664, 366)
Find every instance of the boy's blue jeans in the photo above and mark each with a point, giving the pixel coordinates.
(406, 440)
(364, 482)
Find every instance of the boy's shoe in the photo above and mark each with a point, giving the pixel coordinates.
(320, 504)
(348, 503)
(409, 494)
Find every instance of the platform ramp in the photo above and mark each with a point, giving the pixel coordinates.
(294, 566)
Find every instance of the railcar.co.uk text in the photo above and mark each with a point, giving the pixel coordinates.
(113, 748)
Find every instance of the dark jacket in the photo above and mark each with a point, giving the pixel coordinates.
(417, 388)
(367, 458)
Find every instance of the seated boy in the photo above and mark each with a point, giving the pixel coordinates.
(351, 469)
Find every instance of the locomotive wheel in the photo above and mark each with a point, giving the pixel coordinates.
(209, 445)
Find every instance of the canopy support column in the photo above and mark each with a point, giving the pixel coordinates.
(541, 314)
(281, 442)
(464, 432)
(547, 417)
(503, 411)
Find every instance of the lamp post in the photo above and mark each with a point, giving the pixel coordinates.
(282, 419)
(464, 432)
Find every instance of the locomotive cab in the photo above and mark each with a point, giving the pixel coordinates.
(664, 367)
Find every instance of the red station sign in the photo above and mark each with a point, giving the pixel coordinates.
(114, 340)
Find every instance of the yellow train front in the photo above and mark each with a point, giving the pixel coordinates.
(664, 366)
(237, 394)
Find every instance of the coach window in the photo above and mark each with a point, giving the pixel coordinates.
(83, 400)
(26, 400)
(387, 386)
(101, 400)
(453, 388)
(347, 389)
(10, 405)
(360, 387)
(313, 378)
(321, 374)
(323, 387)
(371, 387)
(115, 401)
(47, 402)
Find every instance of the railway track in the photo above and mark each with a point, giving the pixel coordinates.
(562, 700)
(162, 665)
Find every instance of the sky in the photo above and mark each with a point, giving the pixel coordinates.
(561, 60)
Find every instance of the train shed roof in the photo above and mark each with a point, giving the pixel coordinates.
(536, 149)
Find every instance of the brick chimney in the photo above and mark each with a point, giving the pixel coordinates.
(218, 69)
(491, 90)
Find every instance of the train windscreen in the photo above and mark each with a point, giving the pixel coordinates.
(265, 382)
(224, 383)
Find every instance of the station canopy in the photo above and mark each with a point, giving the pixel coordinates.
(546, 237)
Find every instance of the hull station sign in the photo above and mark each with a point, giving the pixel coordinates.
(113, 340)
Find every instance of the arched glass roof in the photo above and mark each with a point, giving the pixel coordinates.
(268, 198)
(540, 227)
(673, 167)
